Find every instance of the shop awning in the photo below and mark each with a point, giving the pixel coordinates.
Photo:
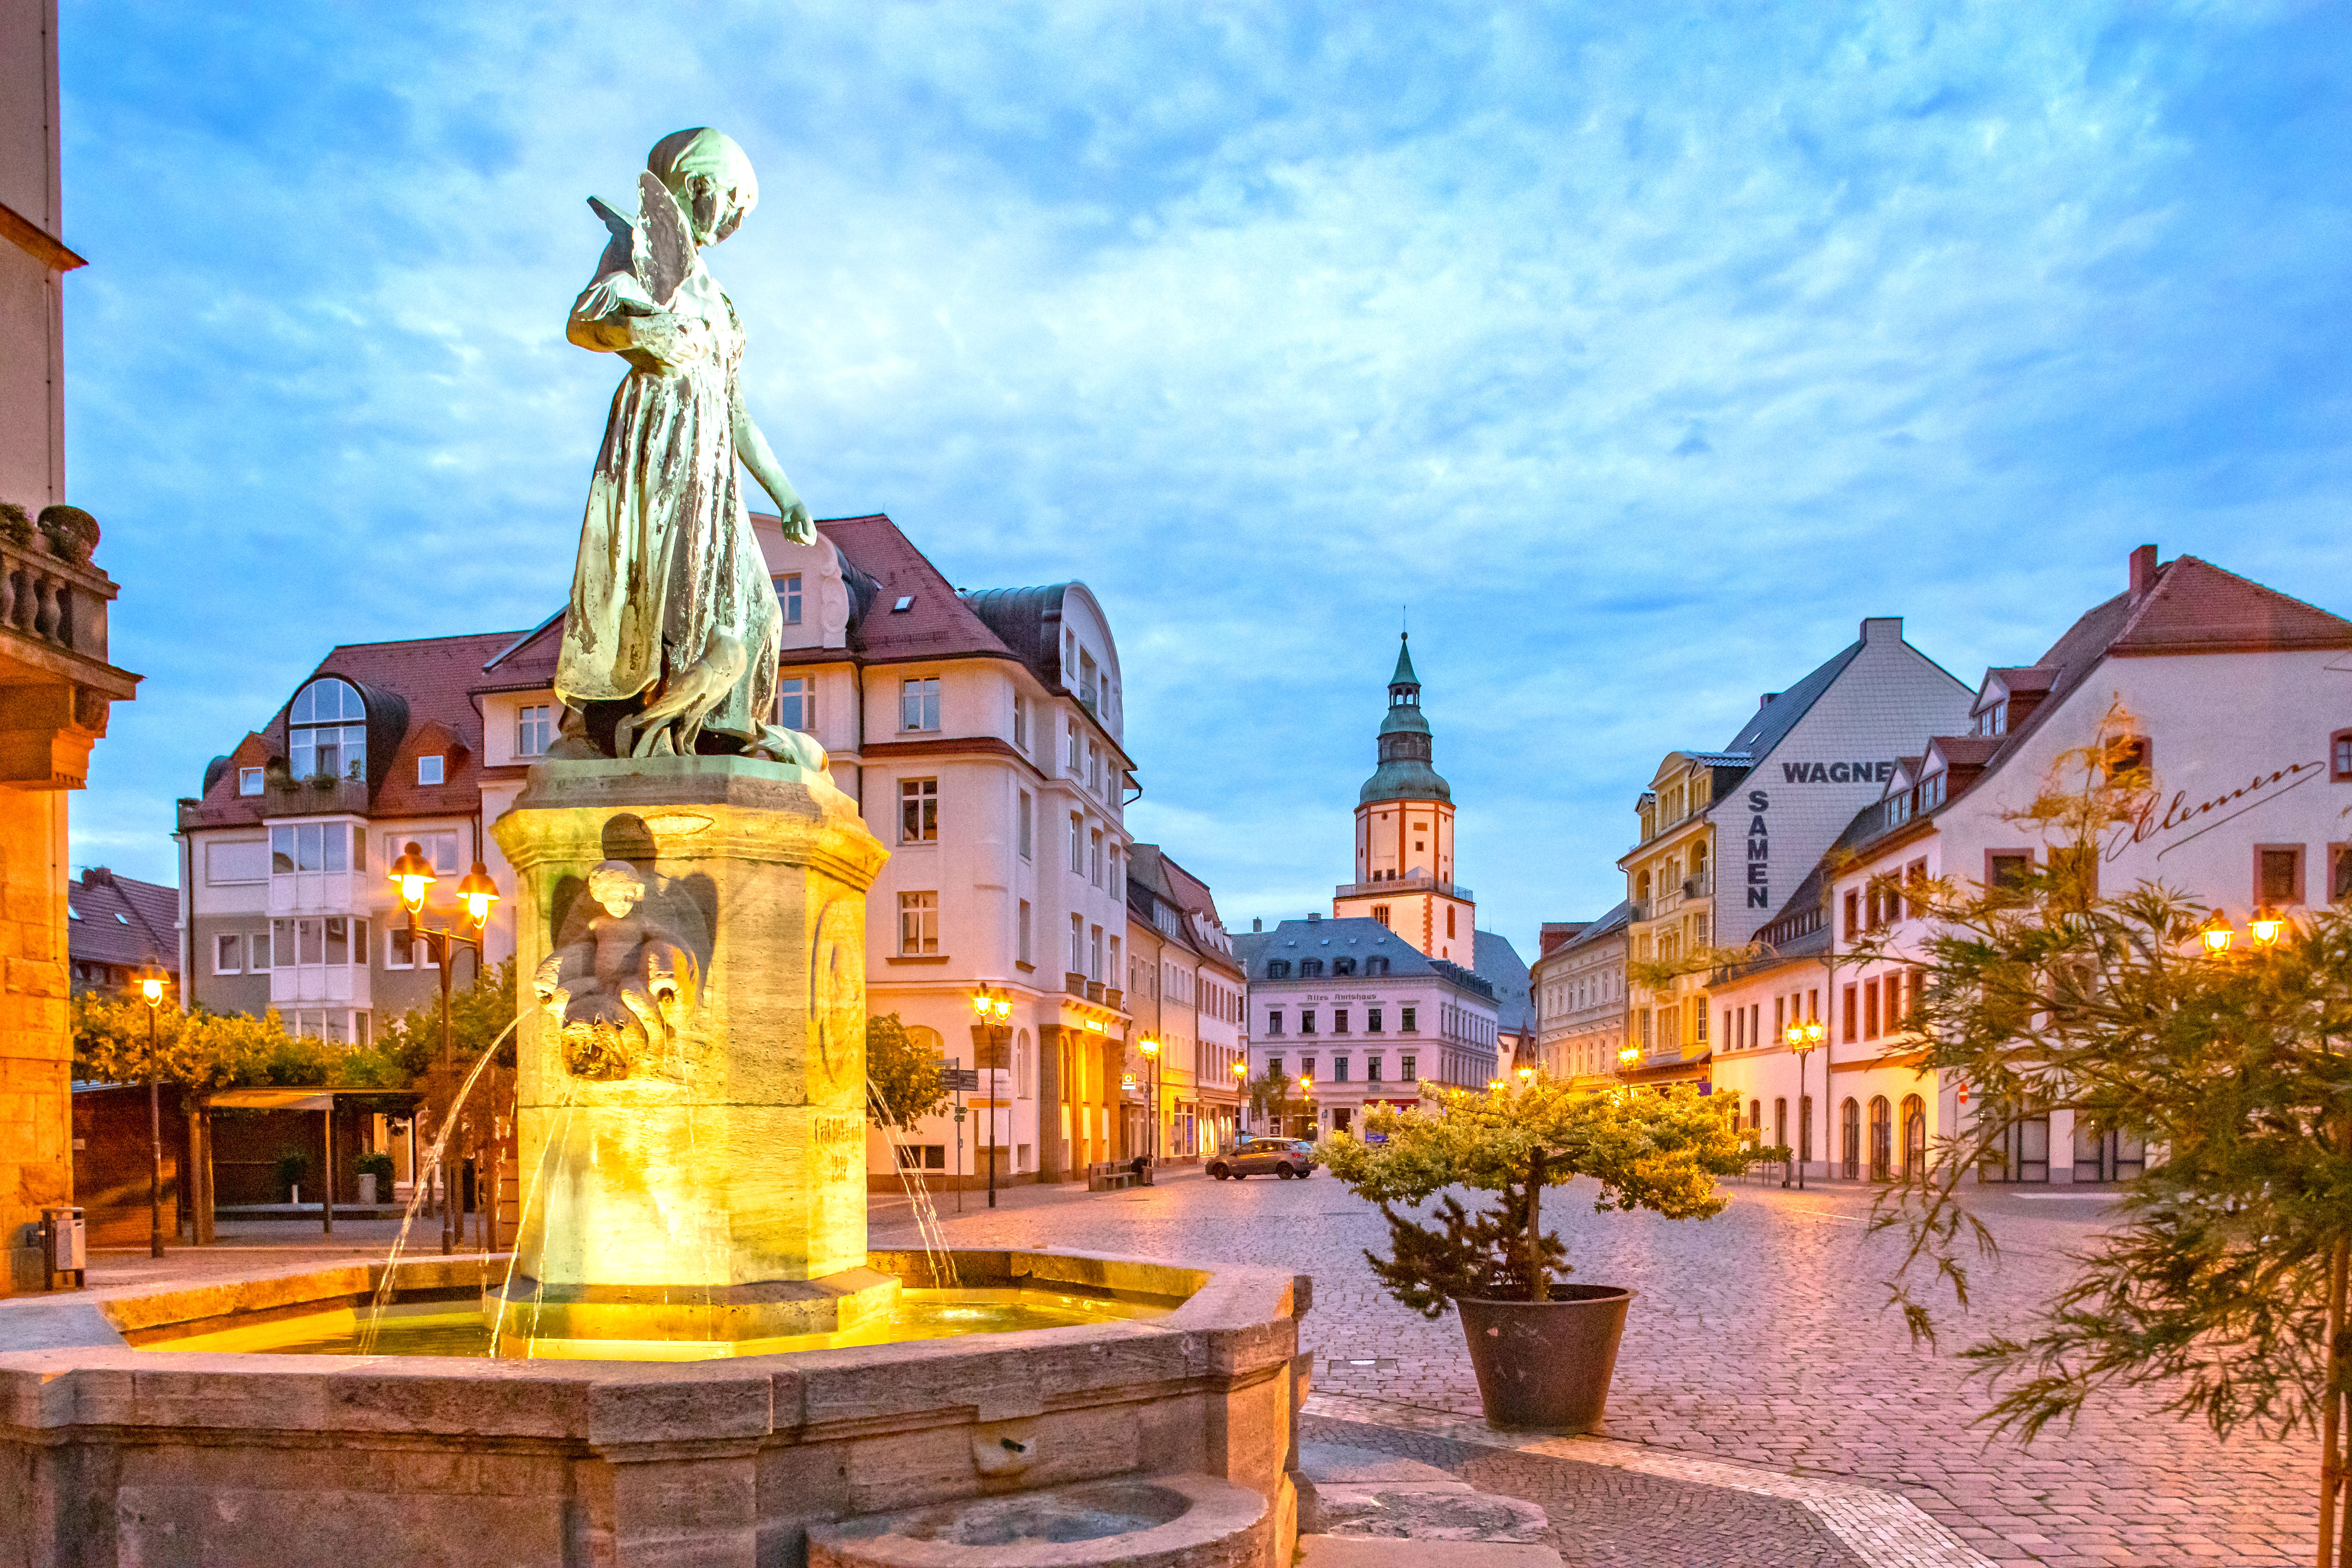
(301, 1098)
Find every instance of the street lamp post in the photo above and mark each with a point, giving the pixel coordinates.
(151, 981)
(1306, 1092)
(1241, 1083)
(412, 875)
(1801, 1039)
(1150, 1049)
(993, 1012)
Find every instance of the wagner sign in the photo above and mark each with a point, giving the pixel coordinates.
(1836, 773)
(1758, 882)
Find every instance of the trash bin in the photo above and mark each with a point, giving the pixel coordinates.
(64, 1243)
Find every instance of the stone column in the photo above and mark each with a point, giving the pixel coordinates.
(692, 1129)
(1053, 1153)
(35, 1038)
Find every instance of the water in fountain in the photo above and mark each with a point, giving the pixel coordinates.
(383, 1298)
(936, 1255)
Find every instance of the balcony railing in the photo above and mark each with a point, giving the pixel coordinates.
(1415, 882)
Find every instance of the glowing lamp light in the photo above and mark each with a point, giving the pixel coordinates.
(2264, 927)
(1147, 1046)
(2217, 935)
(1629, 1055)
(1493, 1084)
(1306, 1083)
(1795, 1035)
(411, 874)
(151, 982)
(1816, 1032)
(1241, 1069)
(477, 892)
(1527, 1075)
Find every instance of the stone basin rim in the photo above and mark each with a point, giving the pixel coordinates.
(1218, 1514)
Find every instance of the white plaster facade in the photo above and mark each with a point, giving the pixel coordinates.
(1578, 987)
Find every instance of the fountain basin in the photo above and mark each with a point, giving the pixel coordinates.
(109, 1453)
(1173, 1522)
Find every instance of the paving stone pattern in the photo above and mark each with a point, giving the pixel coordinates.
(1761, 1338)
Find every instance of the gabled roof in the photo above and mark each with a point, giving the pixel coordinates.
(938, 623)
(122, 920)
(2195, 606)
(1498, 963)
(1770, 723)
(1965, 750)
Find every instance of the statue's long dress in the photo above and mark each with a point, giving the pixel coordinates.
(667, 552)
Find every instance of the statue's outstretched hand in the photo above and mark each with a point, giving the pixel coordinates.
(674, 341)
(798, 527)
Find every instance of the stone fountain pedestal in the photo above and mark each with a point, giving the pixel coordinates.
(691, 1064)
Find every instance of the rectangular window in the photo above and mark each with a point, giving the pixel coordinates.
(359, 942)
(796, 703)
(1852, 1014)
(257, 952)
(1406, 1021)
(2278, 874)
(237, 860)
(1371, 1069)
(534, 729)
(1095, 858)
(1371, 1020)
(1022, 949)
(1338, 1020)
(1077, 944)
(919, 704)
(429, 770)
(1380, 913)
(1094, 953)
(1870, 1009)
(1339, 1069)
(1077, 845)
(309, 943)
(1118, 875)
(2339, 873)
(789, 591)
(918, 924)
(1274, 1067)
(228, 954)
(2008, 867)
(1022, 824)
(439, 848)
(339, 941)
(919, 811)
(1021, 721)
(1093, 767)
(1114, 957)
(1852, 914)
(249, 780)
(1274, 1021)
(1306, 1020)
(1407, 1069)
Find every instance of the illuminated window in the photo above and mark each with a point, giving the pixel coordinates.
(327, 731)
(919, 811)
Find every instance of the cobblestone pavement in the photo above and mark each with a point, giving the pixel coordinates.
(1760, 1337)
(1603, 1517)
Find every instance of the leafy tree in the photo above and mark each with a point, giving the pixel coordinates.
(2221, 1277)
(201, 1051)
(1657, 1151)
(904, 1079)
(478, 1013)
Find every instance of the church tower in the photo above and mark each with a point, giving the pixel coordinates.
(1404, 837)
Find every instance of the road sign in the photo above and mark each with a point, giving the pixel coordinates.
(959, 1114)
(964, 1079)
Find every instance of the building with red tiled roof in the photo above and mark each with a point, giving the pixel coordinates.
(981, 732)
(2223, 706)
(116, 926)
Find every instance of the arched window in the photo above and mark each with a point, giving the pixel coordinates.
(1278, 969)
(1914, 1136)
(326, 730)
(1805, 1131)
(926, 1038)
(1449, 920)
(1880, 1140)
(1756, 1116)
(1781, 1121)
(1640, 886)
(1849, 1138)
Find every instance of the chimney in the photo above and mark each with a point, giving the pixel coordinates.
(2143, 570)
(1258, 925)
(1766, 700)
(1314, 919)
(1881, 628)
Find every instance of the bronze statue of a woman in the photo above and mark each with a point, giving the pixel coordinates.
(671, 634)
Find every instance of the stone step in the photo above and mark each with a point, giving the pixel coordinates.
(1390, 1552)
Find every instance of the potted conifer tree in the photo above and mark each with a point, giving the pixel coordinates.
(1544, 1350)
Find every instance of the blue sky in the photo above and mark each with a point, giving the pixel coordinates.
(1644, 351)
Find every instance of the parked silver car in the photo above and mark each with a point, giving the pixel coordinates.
(1291, 1159)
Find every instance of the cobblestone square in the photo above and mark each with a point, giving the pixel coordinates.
(1760, 1339)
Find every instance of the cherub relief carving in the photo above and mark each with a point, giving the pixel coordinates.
(624, 989)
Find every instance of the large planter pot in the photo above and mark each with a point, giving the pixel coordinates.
(1547, 1364)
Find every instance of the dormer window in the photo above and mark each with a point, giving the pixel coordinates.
(1994, 721)
(432, 769)
(327, 730)
(249, 780)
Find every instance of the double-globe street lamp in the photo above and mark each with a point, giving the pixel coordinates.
(151, 981)
(1150, 1049)
(1241, 1082)
(1801, 1038)
(412, 876)
(994, 1013)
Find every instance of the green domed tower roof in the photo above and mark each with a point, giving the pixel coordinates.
(1404, 772)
